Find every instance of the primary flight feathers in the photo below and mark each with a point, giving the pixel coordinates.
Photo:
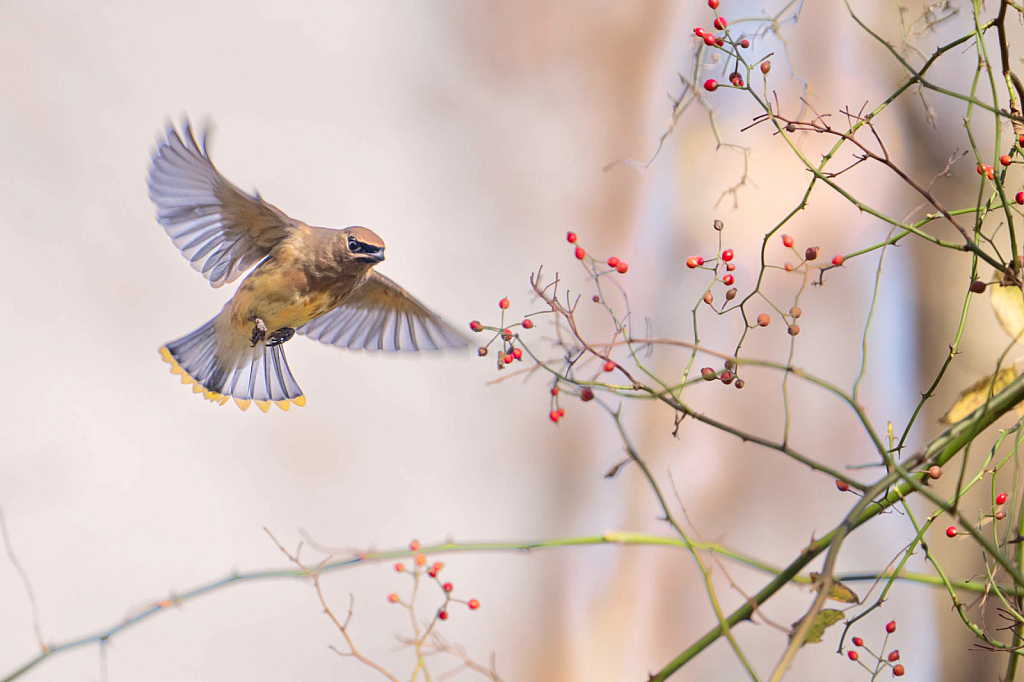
(314, 281)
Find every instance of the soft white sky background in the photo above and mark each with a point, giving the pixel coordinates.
(471, 137)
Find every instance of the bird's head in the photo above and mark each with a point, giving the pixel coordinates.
(362, 245)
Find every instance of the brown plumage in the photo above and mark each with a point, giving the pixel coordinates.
(314, 281)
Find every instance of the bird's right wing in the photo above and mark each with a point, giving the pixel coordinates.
(380, 315)
(221, 230)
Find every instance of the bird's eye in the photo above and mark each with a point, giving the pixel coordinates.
(353, 245)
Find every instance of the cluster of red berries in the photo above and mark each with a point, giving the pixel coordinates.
(586, 394)
(890, 660)
(728, 376)
(618, 265)
(999, 515)
(711, 40)
(510, 352)
(446, 588)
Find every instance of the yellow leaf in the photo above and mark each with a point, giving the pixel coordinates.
(1009, 306)
(978, 393)
(839, 591)
(824, 619)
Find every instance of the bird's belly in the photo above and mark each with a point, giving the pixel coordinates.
(278, 311)
(297, 312)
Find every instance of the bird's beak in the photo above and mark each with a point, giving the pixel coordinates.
(374, 257)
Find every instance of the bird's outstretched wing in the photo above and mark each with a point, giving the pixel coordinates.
(220, 229)
(380, 315)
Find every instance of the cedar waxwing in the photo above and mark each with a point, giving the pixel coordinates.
(313, 281)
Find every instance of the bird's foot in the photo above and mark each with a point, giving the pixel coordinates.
(259, 331)
(280, 336)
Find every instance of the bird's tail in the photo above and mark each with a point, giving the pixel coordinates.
(256, 375)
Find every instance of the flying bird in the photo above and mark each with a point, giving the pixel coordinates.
(313, 281)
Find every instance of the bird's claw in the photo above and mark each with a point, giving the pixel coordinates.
(280, 336)
(259, 331)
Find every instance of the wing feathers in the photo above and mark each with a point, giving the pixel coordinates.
(221, 230)
(380, 315)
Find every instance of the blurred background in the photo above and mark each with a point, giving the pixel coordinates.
(471, 136)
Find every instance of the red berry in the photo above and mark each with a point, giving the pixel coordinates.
(421, 559)
(857, 641)
(571, 237)
(1020, 197)
(561, 411)
(707, 374)
(981, 169)
(794, 329)
(951, 532)
(990, 172)
(713, 4)
(527, 324)
(504, 304)
(554, 416)
(476, 326)
(586, 395)
(730, 267)
(727, 255)
(517, 353)
(766, 66)
(700, 260)
(508, 359)
(737, 81)
(788, 266)
(613, 261)
(609, 366)
(763, 320)
(580, 253)
(853, 655)
(1001, 498)
(691, 262)
(447, 587)
(442, 614)
(392, 597)
(711, 85)
(438, 565)
(787, 241)
(898, 670)
(622, 267)
(399, 567)
(699, 32)
(744, 43)
(838, 260)
(721, 23)
(432, 572)
(473, 604)
(842, 485)
(709, 39)
(894, 655)
(719, 42)
(1005, 160)
(554, 390)
(728, 280)
(890, 627)
(414, 545)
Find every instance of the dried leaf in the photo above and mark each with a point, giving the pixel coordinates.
(839, 591)
(824, 619)
(1008, 302)
(977, 394)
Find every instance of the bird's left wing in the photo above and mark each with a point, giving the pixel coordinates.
(221, 230)
(380, 315)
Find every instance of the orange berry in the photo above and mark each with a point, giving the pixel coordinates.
(504, 304)
(1005, 160)
(473, 604)
(613, 261)
(414, 545)
(609, 366)
(766, 66)
(622, 267)
(787, 241)
(399, 567)
(392, 597)
(421, 559)
(763, 320)
(843, 486)
(898, 670)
